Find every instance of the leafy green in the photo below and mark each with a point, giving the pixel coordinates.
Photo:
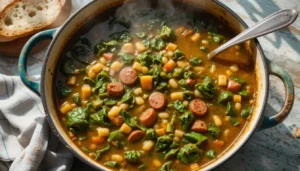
(163, 142)
(145, 58)
(132, 121)
(157, 59)
(211, 154)
(112, 164)
(238, 80)
(207, 88)
(234, 121)
(213, 130)
(81, 54)
(195, 137)
(244, 93)
(184, 85)
(170, 125)
(151, 134)
(157, 75)
(246, 112)
(67, 66)
(123, 36)
(99, 153)
(166, 166)
(178, 105)
(189, 153)
(115, 136)
(77, 119)
(142, 167)
(157, 43)
(133, 156)
(76, 99)
(129, 99)
(101, 117)
(167, 33)
(109, 102)
(186, 120)
(230, 111)
(109, 46)
(119, 21)
(204, 49)
(178, 55)
(89, 81)
(195, 61)
(163, 86)
(141, 34)
(225, 96)
(125, 58)
(171, 153)
(218, 38)
(63, 90)
(188, 95)
(177, 72)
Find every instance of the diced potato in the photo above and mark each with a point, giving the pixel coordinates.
(226, 133)
(114, 111)
(199, 69)
(234, 68)
(238, 106)
(229, 73)
(164, 60)
(195, 37)
(145, 70)
(146, 82)
(93, 146)
(182, 64)
(213, 68)
(217, 120)
(173, 83)
(139, 100)
(116, 66)
(137, 66)
(102, 60)
(179, 133)
(160, 132)
(148, 145)
(197, 93)
(103, 132)
(163, 115)
(91, 74)
(86, 91)
(171, 47)
(97, 67)
(117, 158)
(237, 98)
(65, 108)
(204, 42)
(140, 47)
(156, 163)
(124, 106)
(176, 139)
(194, 167)
(222, 80)
(188, 32)
(128, 48)
(170, 54)
(125, 128)
(177, 96)
(71, 80)
(170, 65)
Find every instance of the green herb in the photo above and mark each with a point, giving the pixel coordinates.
(204, 49)
(129, 99)
(218, 38)
(163, 142)
(188, 95)
(81, 138)
(86, 149)
(246, 112)
(211, 154)
(157, 59)
(186, 120)
(244, 93)
(109, 46)
(112, 164)
(178, 55)
(174, 145)
(234, 121)
(76, 99)
(110, 102)
(126, 58)
(195, 137)
(68, 66)
(157, 43)
(141, 34)
(195, 61)
(177, 72)
(151, 134)
(171, 153)
(133, 156)
(163, 86)
(207, 88)
(101, 117)
(142, 167)
(167, 33)
(166, 166)
(99, 153)
(238, 80)
(213, 130)
(184, 85)
(178, 105)
(230, 110)
(131, 121)
(115, 135)
(77, 119)
(189, 153)
(225, 96)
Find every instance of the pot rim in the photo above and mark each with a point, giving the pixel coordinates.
(213, 165)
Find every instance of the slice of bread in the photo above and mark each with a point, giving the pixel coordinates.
(23, 17)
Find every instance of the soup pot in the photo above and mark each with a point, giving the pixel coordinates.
(263, 69)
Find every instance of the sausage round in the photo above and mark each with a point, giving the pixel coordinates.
(148, 117)
(233, 86)
(128, 76)
(198, 107)
(135, 136)
(157, 100)
(115, 89)
(199, 126)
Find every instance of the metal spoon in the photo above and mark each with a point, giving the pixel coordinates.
(273, 22)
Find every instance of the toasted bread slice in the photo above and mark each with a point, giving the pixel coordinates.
(23, 17)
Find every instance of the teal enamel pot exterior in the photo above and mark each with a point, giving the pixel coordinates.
(263, 68)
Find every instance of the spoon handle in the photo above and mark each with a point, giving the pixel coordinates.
(269, 24)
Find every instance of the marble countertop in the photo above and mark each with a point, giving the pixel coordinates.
(272, 149)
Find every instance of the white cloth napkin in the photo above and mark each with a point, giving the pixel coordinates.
(25, 137)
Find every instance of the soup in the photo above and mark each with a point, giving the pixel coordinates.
(138, 92)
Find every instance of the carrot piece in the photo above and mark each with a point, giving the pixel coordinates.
(170, 65)
(98, 140)
(219, 143)
(160, 132)
(146, 82)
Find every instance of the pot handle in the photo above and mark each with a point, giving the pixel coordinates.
(22, 67)
(270, 121)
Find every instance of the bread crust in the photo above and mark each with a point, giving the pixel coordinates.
(5, 37)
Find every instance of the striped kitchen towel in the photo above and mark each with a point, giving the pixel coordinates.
(24, 132)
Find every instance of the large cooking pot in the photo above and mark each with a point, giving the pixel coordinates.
(60, 36)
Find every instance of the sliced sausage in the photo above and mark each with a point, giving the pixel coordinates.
(117, 120)
(128, 76)
(157, 100)
(233, 86)
(199, 126)
(135, 136)
(148, 117)
(198, 107)
(115, 89)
